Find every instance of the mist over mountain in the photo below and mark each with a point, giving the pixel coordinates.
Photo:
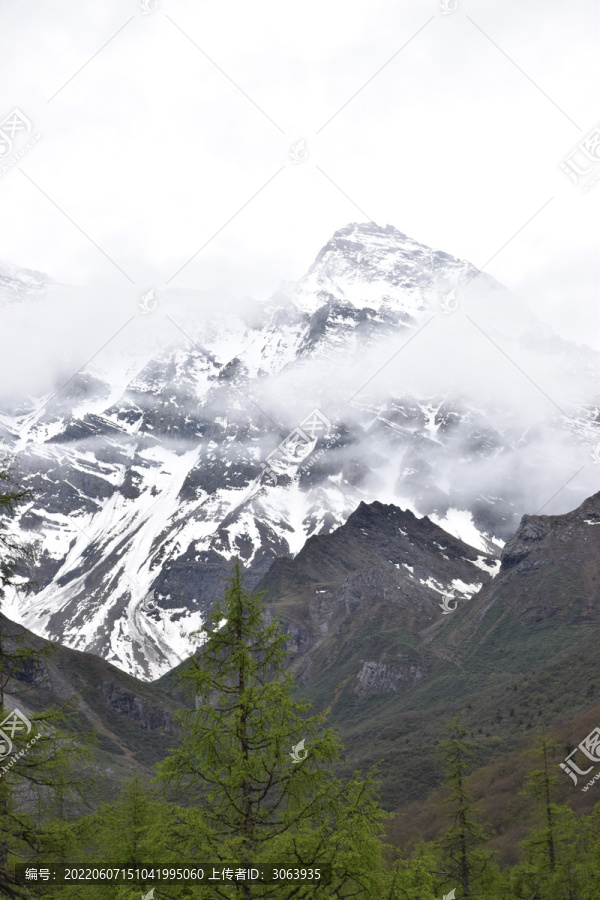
(205, 429)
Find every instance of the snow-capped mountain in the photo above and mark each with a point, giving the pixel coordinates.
(389, 372)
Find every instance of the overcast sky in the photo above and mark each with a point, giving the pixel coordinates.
(168, 132)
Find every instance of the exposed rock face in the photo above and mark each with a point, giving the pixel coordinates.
(379, 655)
(380, 677)
(359, 598)
(366, 598)
(116, 706)
(545, 595)
(521, 545)
(565, 551)
(568, 537)
(138, 710)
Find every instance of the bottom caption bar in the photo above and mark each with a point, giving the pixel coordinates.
(203, 872)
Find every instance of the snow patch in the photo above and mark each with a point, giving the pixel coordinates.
(464, 588)
(459, 522)
(482, 563)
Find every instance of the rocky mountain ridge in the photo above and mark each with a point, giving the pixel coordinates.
(133, 721)
(394, 626)
(245, 433)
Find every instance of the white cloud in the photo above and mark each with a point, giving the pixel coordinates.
(151, 149)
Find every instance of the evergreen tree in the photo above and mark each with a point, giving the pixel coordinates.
(414, 878)
(463, 860)
(587, 851)
(552, 868)
(128, 833)
(252, 798)
(540, 783)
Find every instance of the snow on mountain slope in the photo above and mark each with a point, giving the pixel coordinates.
(364, 266)
(244, 431)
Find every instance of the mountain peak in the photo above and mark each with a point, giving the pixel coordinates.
(537, 534)
(365, 265)
(367, 229)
